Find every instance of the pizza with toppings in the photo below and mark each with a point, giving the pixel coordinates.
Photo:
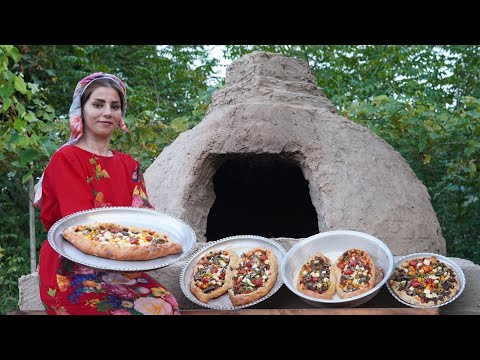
(213, 274)
(254, 276)
(424, 282)
(316, 277)
(354, 272)
(118, 242)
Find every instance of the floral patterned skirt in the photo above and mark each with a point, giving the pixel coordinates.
(68, 288)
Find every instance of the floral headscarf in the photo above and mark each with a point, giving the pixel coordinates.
(75, 115)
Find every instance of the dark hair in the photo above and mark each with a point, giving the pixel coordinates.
(102, 83)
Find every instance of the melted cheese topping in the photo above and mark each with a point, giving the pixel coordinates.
(122, 237)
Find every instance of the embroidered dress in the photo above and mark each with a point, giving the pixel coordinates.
(76, 180)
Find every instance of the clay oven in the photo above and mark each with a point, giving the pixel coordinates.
(273, 158)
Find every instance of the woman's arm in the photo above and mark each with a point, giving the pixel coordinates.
(65, 189)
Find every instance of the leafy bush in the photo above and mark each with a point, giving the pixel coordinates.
(13, 264)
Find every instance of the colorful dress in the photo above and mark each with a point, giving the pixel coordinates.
(77, 180)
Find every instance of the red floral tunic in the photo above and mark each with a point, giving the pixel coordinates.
(76, 180)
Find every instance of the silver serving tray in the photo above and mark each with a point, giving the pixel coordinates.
(458, 270)
(332, 244)
(176, 229)
(238, 244)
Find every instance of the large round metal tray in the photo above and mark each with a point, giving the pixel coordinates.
(332, 244)
(176, 229)
(458, 270)
(238, 244)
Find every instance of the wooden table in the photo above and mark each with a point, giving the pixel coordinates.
(336, 311)
(284, 302)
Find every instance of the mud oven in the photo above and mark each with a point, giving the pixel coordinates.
(272, 157)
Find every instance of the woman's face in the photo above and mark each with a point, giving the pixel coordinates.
(102, 112)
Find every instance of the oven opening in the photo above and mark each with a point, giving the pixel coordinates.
(261, 195)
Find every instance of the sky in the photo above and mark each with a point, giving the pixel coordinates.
(217, 53)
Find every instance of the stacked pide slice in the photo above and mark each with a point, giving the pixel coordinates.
(424, 282)
(352, 274)
(120, 242)
(246, 278)
(212, 275)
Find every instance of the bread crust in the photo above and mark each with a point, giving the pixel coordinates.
(261, 291)
(322, 263)
(442, 273)
(344, 264)
(108, 250)
(198, 292)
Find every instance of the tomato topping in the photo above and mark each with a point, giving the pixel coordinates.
(348, 271)
(412, 263)
(249, 264)
(263, 257)
(341, 265)
(429, 281)
(257, 282)
(415, 284)
(133, 241)
(204, 280)
(148, 238)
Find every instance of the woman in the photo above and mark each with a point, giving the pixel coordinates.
(84, 174)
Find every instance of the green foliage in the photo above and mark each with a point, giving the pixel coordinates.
(25, 119)
(14, 237)
(25, 122)
(12, 266)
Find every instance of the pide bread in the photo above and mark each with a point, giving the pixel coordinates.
(354, 273)
(212, 275)
(316, 277)
(254, 276)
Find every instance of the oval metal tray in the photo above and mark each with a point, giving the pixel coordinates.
(176, 229)
(458, 270)
(238, 244)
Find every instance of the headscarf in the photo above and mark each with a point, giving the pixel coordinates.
(75, 115)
